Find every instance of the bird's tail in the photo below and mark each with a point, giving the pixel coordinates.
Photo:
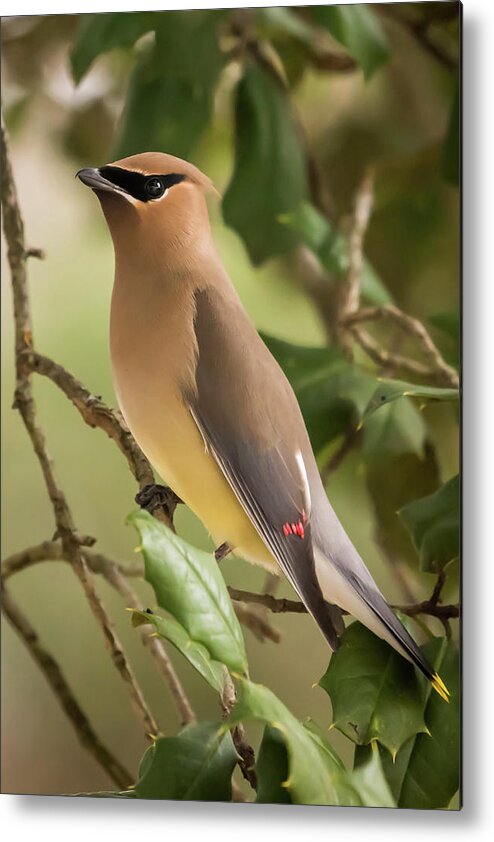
(351, 587)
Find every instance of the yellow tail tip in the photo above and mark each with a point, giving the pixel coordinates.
(440, 687)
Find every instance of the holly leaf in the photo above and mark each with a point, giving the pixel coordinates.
(332, 393)
(390, 390)
(272, 769)
(269, 177)
(393, 482)
(312, 779)
(188, 584)
(396, 429)
(434, 524)
(196, 654)
(196, 765)
(425, 774)
(375, 693)
(370, 780)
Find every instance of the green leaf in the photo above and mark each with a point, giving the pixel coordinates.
(312, 779)
(296, 763)
(270, 173)
(189, 585)
(332, 392)
(162, 113)
(391, 390)
(425, 774)
(196, 765)
(171, 93)
(370, 780)
(375, 693)
(100, 33)
(396, 429)
(187, 46)
(448, 322)
(392, 482)
(449, 325)
(451, 149)
(272, 769)
(276, 20)
(434, 525)
(331, 248)
(359, 30)
(197, 654)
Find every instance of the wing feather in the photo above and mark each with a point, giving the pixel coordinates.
(246, 429)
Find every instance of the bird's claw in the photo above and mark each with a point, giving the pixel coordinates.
(221, 551)
(154, 496)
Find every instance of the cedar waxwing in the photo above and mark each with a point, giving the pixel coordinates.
(210, 406)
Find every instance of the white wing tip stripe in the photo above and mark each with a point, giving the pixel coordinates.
(305, 482)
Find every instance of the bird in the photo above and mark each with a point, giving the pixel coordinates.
(211, 408)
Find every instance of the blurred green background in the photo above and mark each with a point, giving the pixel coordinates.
(399, 119)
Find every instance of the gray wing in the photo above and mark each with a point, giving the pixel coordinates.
(251, 421)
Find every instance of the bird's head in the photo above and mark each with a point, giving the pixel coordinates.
(152, 201)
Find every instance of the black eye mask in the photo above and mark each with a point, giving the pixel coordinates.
(145, 188)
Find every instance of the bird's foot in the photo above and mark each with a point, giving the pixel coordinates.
(154, 496)
(222, 551)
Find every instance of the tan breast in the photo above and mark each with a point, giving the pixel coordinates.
(152, 347)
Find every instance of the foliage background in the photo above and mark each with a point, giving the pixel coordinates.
(398, 118)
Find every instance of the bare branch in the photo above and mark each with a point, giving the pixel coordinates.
(388, 359)
(275, 604)
(364, 201)
(439, 369)
(116, 575)
(247, 760)
(420, 30)
(53, 674)
(53, 551)
(293, 606)
(24, 402)
(255, 621)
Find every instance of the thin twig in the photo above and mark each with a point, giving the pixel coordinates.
(96, 413)
(116, 575)
(53, 551)
(388, 359)
(255, 621)
(24, 402)
(53, 674)
(419, 29)
(364, 200)
(442, 371)
(293, 606)
(247, 762)
(277, 605)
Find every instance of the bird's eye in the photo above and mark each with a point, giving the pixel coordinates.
(154, 188)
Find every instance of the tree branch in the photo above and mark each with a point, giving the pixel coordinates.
(364, 201)
(439, 369)
(97, 414)
(24, 402)
(247, 760)
(53, 674)
(282, 606)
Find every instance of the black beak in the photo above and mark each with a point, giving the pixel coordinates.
(93, 178)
